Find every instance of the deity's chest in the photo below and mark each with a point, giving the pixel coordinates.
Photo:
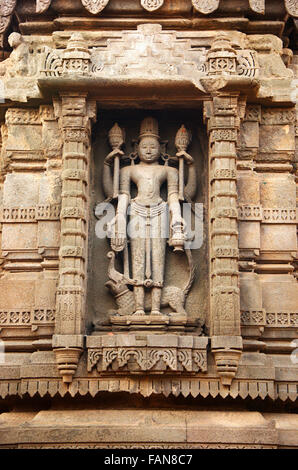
(148, 179)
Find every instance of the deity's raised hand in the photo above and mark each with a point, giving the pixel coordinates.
(187, 158)
(115, 153)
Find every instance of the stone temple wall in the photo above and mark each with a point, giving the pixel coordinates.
(78, 367)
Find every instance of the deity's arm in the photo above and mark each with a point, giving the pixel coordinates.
(123, 198)
(191, 186)
(173, 195)
(107, 180)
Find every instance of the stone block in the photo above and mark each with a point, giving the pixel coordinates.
(21, 190)
(68, 341)
(279, 138)
(19, 237)
(17, 294)
(45, 293)
(48, 234)
(162, 340)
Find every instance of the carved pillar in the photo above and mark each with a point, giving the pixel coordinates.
(223, 120)
(75, 113)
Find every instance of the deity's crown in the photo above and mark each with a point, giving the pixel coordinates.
(149, 128)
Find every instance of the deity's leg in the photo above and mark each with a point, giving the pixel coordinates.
(155, 300)
(138, 272)
(158, 262)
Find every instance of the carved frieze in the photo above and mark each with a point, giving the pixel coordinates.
(152, 354)
(22, 116)
(31, 214)
(253, 317)
(95, 6)
(249, 212)
(278, 116)
(282, 319)
(205, 6)
(25, 317)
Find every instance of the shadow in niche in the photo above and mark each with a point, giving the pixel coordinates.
(99, 300)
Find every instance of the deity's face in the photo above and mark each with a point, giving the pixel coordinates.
(149, 149)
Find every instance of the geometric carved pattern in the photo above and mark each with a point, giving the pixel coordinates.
(282, 319)
(26, 316)
(267, 215)
(253, 317)
(31, 214)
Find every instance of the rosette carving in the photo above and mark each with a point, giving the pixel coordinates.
(95, 6)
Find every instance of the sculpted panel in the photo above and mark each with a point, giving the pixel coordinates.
(148, 219)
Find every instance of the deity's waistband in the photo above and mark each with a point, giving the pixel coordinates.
(148, 210)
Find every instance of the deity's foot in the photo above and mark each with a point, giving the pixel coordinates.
(139, 312)
(155, 312)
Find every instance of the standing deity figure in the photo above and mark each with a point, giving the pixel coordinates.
(141, 218)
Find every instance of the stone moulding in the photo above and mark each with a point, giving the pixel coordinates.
(95, 7)
(147, 353)
(186, 386)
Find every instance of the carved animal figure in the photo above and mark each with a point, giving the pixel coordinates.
(172, 296)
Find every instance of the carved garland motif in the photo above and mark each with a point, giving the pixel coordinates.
(95, 6)
(205, 6)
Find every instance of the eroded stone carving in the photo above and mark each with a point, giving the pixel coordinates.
(148, 220)
(42, 5)
(205, 6)
(6, 10)
(17, 63)
(257, 5)
(95, 6)
(292, 7)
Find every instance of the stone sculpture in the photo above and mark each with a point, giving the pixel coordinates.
(147, 223)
